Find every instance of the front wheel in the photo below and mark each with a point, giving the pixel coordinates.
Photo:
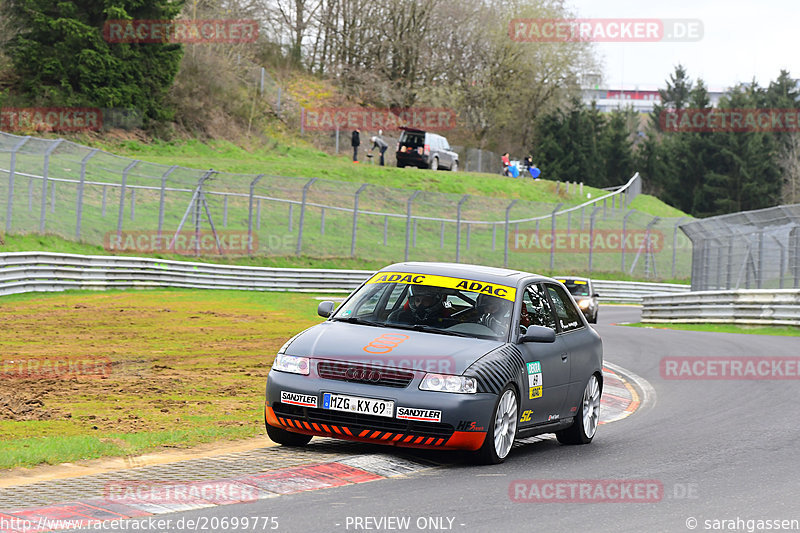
(287, 438)
(502, 430)
(584, 425)
(454, 167)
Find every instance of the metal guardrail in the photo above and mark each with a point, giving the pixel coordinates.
(778, 307)
(47, 271)
(633, 291)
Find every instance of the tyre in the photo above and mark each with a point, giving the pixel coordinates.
(502, 429)
(454, 168)
(435, 163)
(287, 438)
(593, 319)
(584, 425)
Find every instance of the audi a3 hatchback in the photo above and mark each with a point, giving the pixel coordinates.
(442, 356)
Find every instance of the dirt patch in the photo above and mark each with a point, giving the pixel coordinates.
(22, 405)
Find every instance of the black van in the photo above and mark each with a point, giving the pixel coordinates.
(418, 148)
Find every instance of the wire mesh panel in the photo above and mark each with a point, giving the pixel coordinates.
(123, 204)
(748, 250)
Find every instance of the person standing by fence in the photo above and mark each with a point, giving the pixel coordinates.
(355, 141)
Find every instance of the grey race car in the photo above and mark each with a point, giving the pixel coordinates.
(444, 356)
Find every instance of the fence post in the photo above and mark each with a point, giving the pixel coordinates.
(783, 260)
(225, 211)
(441, 235)
(162, 200)
(553, 236)
(302, 216)
(9, 206)
(385, 230)
(337, 139)
(458, 225)
(624, 234)
(250, 214)
(591, 235)
(81, 183)
(122, 197)
(43, 211)
(322, 222)
(508, 212)
(302, 120)
(494, 236)
(674, 245)
(355, 213)
(408, 220)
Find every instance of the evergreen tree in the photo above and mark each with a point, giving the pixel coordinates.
(61, 58)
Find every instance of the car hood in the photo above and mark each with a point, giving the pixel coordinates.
(390, 347)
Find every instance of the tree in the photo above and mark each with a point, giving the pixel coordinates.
(61, 58)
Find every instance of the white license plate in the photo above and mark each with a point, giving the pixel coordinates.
(354, 404)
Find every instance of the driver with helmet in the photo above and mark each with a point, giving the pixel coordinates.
(425, 306)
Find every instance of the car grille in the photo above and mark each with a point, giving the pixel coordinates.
(369, 375)
(336, 423)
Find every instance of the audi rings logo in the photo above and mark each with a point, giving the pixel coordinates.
(385, 343)
(362, 374)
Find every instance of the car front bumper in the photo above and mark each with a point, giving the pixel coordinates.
(463, 426)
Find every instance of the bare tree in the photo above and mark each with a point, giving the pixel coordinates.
(789, 162)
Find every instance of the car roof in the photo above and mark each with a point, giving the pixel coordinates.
(501, 276)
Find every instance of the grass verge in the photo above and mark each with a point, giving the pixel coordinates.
(86, 375)
(789, 331)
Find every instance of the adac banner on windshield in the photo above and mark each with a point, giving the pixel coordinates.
(467, 285)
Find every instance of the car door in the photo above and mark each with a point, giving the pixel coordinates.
(547, 364)
(447, 156)
(579, 342)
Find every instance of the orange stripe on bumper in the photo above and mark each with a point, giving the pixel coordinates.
(466, 440)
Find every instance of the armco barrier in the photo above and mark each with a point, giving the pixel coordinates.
(633, 291)
(778, 307)
(46, 271)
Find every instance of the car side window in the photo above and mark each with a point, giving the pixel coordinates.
(537, 310)
(568, 315)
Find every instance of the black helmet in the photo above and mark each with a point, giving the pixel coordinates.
(423, 300)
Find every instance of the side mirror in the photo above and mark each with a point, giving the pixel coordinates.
(595, 295)
(538, 334)
(325, 309)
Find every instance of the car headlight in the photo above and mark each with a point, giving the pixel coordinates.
(584, 304)
(291, 364)
(447, 383)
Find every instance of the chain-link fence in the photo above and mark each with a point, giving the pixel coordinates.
(749, 250)
(83, 194)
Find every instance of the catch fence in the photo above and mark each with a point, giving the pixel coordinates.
(88, 195)
(748, 250)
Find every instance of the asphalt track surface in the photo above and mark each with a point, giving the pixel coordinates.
(721, 450)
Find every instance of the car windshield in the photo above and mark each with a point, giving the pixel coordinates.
(432, 308)
(577, 287)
